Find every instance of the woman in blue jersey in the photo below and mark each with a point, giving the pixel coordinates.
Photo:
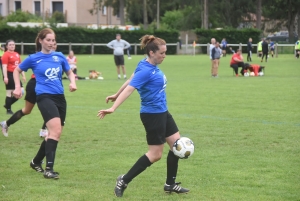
(159, 124)
(30, 100)
(47, 67)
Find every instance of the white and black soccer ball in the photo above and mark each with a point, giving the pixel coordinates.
(183, 148)
(261, 73)
(246, 74)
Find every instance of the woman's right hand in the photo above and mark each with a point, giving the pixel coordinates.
(5, 80)
(111, 98)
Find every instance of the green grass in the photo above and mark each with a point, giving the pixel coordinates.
(245, 130)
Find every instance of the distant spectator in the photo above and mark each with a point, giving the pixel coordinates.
(237, 61)
(297, 49)
(272, 47)
(259, 48)
(265, 50)
(72, 60)
(211, 46)
(224, 46)
(119, 45)
(249, 50)
(216, 55)
(231, 50)
(128, 52)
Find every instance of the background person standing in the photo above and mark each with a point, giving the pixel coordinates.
(265, 50)
(249, 50)
(118, 45)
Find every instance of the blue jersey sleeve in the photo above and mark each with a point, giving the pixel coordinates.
(140, 78)
(26, 64)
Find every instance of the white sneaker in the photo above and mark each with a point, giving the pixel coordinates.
(43, 133)
(4, 128)
(129, 57)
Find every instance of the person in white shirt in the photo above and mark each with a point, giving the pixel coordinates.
(119, 45)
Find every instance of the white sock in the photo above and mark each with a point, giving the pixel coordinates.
(119, 75)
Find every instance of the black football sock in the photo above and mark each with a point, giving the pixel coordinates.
(50, 149)
(40, 154)
(13, 100)
(44, 126)
(142, 163)
(172, 167)
(75, 71)
(15, 117)
(8, 103)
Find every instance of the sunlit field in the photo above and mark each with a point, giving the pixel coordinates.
(246, 132)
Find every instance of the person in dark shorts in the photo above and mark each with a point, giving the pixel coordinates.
(10, 60)
(47, 67)
(119, 45)
(159, 124)
(224, 46)
(265, 50)
(30, 100)
(249, 50)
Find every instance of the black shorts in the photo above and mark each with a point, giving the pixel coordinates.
(158, 127)
(119, 60)
(11, 83)
(224, 47)
(51, 106)
(30, 91)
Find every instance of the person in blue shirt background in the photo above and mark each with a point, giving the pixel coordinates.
(47, 67)
(272, 47)
(224, 46)
(150, 82)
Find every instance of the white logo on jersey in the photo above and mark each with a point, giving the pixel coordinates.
(55, 58)
(165, 84)
(153, 72)
(52, 73)
(39, 61)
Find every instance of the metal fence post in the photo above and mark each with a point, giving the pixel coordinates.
(208, 52)
(135, 49)
(276, 50)
(240, 46)
(22, 48)
(70, 46)
(92, 48)
(177, 48)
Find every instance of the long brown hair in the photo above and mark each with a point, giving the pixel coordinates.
(41, 35)
(151, 43)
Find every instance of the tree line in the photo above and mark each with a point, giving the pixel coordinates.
(206, 14)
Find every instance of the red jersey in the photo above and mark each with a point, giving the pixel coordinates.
(11, 59)
(254, 68)
(235, 56)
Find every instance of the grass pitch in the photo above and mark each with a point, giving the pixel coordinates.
(245, 131)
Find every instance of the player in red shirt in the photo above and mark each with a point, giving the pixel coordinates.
(254, 68)
(237, 61)
(10, 60)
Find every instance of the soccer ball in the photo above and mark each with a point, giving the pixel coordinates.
(261, 73)
(183, 148)
(246, 74)
(252, 74)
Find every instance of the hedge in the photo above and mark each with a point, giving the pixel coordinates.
(83, 35)
(233, 36)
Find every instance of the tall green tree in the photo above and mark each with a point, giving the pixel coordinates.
(284, 12)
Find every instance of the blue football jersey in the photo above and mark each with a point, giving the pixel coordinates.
(48, 69)
(150, 83)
